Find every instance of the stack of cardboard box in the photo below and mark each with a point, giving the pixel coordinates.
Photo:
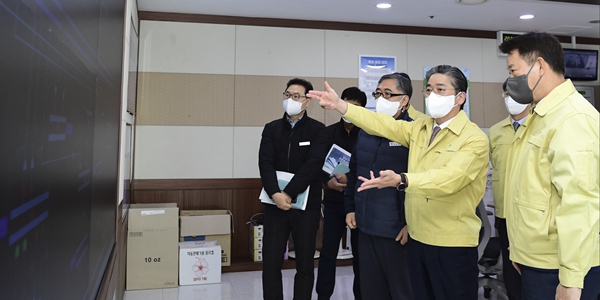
(164, 248)
(256, 241)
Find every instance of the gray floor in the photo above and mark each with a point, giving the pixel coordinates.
(245, 286)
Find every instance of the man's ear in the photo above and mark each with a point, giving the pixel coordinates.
(405, 101)
(460, 98)
(544, 66)
(308, 101)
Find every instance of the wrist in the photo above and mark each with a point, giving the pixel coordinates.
(342, 106)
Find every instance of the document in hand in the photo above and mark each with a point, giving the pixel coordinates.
(283, 178)
(337, 161)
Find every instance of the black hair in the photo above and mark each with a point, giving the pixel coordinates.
(537, 44)
(403, 83)
(354, 93)
(457, 78)
(299, 81)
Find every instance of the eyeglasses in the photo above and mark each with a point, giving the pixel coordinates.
(386, 95)
(439, 91)
(295, 96)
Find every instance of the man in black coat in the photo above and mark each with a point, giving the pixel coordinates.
(342, 134)
(294, 144)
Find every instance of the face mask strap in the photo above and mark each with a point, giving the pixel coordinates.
(538, 81)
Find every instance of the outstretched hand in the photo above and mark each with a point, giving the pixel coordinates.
(329, 99)
(387, 178)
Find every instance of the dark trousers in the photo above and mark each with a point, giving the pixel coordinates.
(384, 268)
(512, 278)
(540, 284)
(334, 225)
(443, 273)
(277, 227)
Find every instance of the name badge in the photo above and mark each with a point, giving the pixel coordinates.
(307, 143)
(394, 144)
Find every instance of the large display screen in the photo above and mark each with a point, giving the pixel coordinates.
(60, 103)
(581, 65)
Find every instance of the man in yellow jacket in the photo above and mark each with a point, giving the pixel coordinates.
(551, 192)
(501, 137)
(447, 168)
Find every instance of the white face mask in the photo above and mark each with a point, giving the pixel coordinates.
(439, 106)
(387, 107)
(513, 107)
(347, 121)
(292, 107)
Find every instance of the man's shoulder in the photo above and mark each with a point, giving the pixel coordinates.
(333, 126)
(579, 105)
(496, 129)
(274, 122)
(473, 132)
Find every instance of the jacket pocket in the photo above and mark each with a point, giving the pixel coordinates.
(532, 218)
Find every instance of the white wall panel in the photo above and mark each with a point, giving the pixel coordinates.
(494, 66)
(246, 142)
(438, 50)
(272, 51)
(177, 47)
(178, 152)
(342, 49)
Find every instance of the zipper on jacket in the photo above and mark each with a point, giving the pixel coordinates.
(376, 153)
(289, 148)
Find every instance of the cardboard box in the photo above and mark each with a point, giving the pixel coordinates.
(256, 254)
(256, 230)
(223, 239)
(256, 243)
(199, 262)
(198, 225)
(152, 245)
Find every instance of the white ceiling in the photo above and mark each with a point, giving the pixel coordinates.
(554, 17)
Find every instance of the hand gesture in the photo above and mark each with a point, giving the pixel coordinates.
(386, 178)
(282, 200)
(329, 99)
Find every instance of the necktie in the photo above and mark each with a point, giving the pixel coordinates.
(516, 125)
(436, 129)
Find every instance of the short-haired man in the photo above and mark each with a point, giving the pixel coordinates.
(551, 191)
(379, 214)
(501, 137)
(294, 144)
(342, 134)
(447, 167)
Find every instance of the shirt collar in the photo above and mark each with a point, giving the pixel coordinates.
(512, 121)
(443, 125)
(293, 122)
(456, 124)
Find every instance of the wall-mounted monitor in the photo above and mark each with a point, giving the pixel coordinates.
(581, 65)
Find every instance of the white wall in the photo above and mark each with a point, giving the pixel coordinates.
(232, 151)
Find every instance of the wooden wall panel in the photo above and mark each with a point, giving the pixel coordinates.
(245, 205)
(158, 196)
(206, 199)
(240, 196)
